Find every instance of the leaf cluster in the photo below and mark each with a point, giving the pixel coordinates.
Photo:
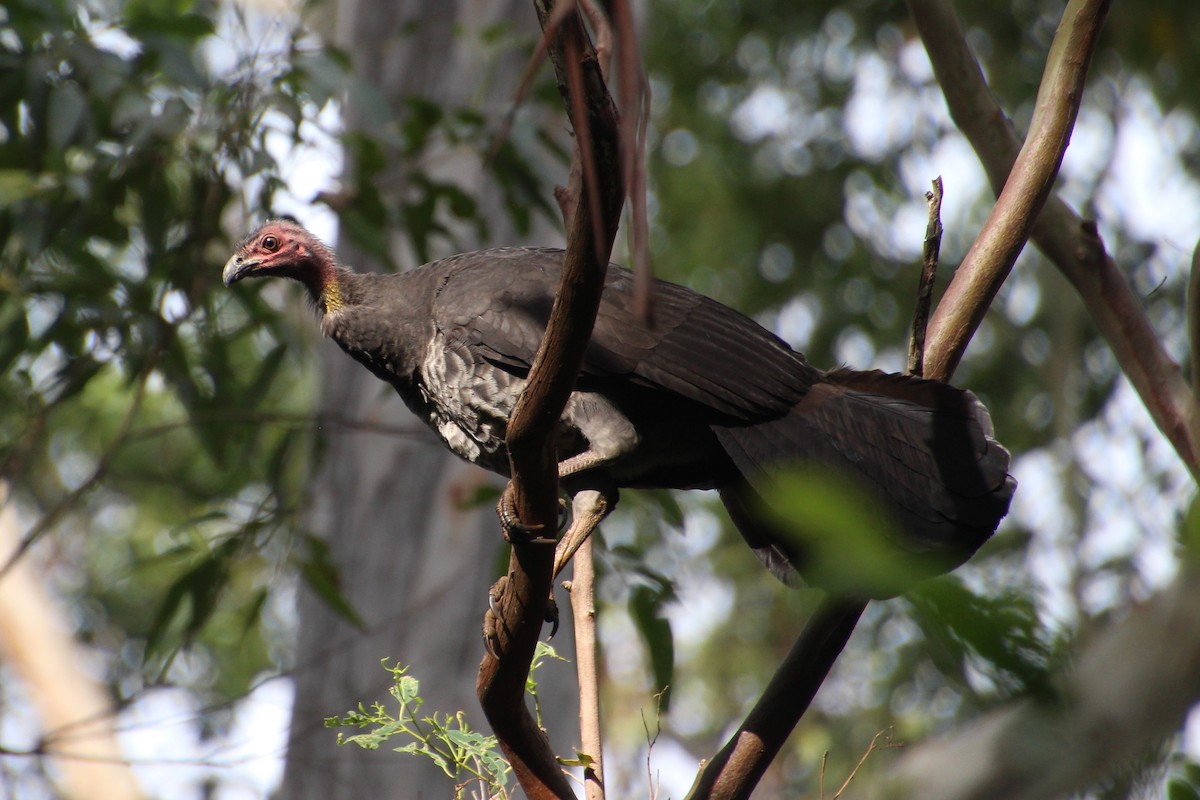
(466, 756)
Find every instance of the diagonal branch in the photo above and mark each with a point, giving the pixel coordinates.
(1072, 244)
(522, 602)
(1193, 316)
(735, 771)
(1026, 188)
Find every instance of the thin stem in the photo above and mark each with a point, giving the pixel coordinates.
(583, 609)
(929, 264)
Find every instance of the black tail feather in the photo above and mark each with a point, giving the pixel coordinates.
(924, 449)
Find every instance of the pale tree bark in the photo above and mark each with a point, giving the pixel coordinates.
(414, 564)
(74, 707)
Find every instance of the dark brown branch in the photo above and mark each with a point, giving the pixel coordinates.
(734, 772)
(1010, 223)
(635, 95)
(522, 602)
(1072, 244)
(929, 262)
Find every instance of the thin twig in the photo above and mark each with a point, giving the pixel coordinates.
(587, 157)
(1008, 227)
(583, 610)
(601, 34)
(634, 89)
(929, 264)
(653, 782)
(870, 749)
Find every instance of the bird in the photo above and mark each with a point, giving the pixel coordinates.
(695, 396)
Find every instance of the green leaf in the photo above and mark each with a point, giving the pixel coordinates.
(1003, 631)
(268, 371)
(581, 759)
(849, 544)
(17, 185)
(65, 115)
(1179, 789)
(193, 597)
(645, 606)
(322, 576)
(144, 20)
(407, 690)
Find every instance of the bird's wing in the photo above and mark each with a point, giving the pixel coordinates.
(498, 303)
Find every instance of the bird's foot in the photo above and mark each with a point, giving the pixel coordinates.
(515, 530)
(492, 618)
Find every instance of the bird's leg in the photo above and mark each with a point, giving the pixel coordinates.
(589, 507)
(507, 511)
(609, 435)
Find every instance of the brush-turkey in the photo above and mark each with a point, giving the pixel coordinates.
(697, 397)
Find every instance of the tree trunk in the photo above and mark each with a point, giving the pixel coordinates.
(413, 563)
(74, 708)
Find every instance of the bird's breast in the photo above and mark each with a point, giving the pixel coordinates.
(468, 402)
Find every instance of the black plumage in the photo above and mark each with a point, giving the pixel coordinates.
(699, 397)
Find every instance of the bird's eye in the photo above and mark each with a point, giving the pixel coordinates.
(270, 243)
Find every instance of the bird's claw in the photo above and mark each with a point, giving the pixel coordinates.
(491, 618)
(510, 522)
(552, 615)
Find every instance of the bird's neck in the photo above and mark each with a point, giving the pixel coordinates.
(332, 298)
(331, 290)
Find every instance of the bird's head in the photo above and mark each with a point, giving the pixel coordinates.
(282, 247)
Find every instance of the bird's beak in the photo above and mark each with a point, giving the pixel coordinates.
(237, 268)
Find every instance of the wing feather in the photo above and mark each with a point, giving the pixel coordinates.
(692, 346)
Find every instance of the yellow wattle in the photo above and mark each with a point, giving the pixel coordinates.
(331, 298)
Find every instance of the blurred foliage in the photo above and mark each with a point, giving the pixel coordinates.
(160, 427)
(146, 419)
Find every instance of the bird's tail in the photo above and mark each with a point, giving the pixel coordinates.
(923, 449)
